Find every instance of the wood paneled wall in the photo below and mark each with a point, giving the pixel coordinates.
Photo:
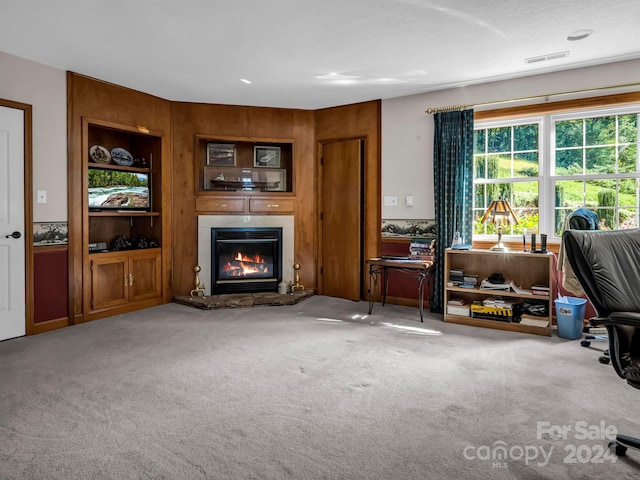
(191, 119)
(359, 120)
(181, 122)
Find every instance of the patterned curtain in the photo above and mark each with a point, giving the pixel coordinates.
(453, 178)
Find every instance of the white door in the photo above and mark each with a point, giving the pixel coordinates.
(12, 246)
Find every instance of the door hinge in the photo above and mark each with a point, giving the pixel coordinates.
(321, 216)
(321, 160)
(321, 270)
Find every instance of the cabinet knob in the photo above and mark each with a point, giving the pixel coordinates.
(220, 205)
(273, 205)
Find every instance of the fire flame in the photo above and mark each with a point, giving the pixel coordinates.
(245, 265)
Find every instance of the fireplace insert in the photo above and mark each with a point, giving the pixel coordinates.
(246, 260)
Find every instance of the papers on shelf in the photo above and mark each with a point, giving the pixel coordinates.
(458, 306)
(519, 290)
(486, 284)
(534, 322)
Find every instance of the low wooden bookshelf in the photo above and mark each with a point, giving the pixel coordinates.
(524, 269)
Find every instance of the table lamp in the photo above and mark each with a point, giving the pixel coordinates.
(499, 213)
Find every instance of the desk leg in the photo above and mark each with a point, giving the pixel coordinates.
(385, 284)
(421, 295)
(373, 279)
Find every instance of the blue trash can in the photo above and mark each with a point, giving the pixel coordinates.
(570, 316)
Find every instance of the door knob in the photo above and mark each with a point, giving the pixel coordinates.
(14, 235)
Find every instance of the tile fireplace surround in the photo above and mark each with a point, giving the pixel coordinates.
(207, 222)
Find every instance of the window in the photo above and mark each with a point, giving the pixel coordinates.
(549, 165)
(507, 165)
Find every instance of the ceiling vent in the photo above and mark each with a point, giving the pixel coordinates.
(549, 56)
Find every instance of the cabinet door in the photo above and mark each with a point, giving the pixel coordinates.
(109, 281)
(145, 279)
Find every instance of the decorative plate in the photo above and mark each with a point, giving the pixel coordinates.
(122, 157)
(99, 154)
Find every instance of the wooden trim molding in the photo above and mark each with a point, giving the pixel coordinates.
(512, 246)
(557, 107)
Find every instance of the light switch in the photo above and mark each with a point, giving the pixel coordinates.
(409, 200)
(41, 196)
(390, 201)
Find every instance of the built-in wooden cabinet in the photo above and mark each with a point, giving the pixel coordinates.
(122, 278)
(122, 210)
(242, 175)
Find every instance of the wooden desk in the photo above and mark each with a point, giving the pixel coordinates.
(421, 269)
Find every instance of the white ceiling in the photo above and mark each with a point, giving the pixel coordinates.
(313, 54)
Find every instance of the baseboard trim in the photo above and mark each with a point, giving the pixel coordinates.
(407, 302)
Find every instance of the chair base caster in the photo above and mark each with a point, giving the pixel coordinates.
(619, 450)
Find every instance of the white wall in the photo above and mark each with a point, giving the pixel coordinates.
(45, 89)
(407, 131)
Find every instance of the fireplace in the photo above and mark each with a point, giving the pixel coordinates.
(246, 260)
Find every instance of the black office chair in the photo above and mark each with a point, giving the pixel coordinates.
(582, 219)
(607, 265)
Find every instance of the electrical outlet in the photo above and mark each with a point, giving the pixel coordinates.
(41, 196)
(390, 201)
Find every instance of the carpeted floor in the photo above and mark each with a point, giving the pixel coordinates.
(317, 390)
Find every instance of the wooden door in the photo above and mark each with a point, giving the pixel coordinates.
(341, 219)
(109, 281)
(145, 281)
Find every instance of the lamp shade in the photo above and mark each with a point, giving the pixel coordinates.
(500, 213)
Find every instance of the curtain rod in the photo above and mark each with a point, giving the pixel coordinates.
(452, 108)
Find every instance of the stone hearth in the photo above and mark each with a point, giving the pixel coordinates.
(240, 300)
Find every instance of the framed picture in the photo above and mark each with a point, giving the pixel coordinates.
(221, 154)
(50, 233)
(266, 157)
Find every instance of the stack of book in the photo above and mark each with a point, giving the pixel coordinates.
(469, 281)
(420, 248)
(456, 277)
(458, 306)
(540, 290)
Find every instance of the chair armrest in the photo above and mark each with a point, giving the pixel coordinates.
(631, 319)
(595, 321)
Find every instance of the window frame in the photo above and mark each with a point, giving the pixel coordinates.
(549, 113)
(484, 181)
